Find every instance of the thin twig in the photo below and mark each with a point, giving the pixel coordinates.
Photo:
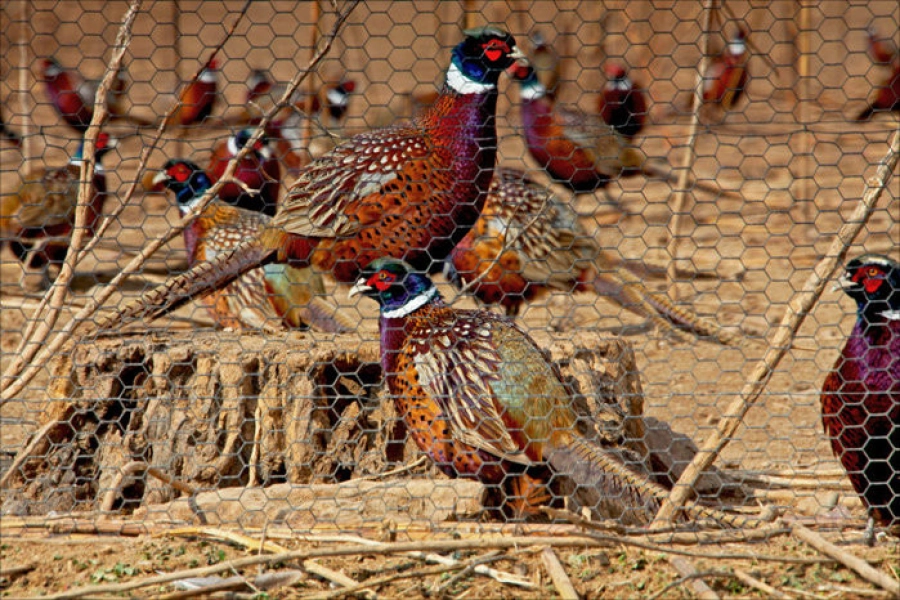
(852, 562)
(694, 578)
(689, 577)
(796, 313)
(28, 347)
(11, 385)
(558, 575)
(769, 591)
(678, 202)
(41, 325)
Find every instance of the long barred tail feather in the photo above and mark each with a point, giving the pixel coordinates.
(590, 465)
(629, 290)
(197, 282)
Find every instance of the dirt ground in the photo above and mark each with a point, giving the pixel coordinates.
(796, 188)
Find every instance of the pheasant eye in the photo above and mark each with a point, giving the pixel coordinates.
(495, 49)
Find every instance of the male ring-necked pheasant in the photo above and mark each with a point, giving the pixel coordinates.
(861, 395)
(622, 103)
(38, 219)
(257, 176)
(727, 75)
(411, 191)
(482, 401)
(262, 298)
(528, 241)
(578, 150)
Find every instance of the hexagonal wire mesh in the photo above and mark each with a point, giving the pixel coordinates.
(650, 275)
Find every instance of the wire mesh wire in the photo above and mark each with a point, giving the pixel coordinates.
(271, 424)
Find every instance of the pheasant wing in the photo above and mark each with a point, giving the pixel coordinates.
(340, 193)
(459, 366)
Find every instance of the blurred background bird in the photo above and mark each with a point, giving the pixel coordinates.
(546, 62)
(886, 95)
(579, 150)
(37, 220)
(727, 75)
(269, 297)
(324, 113)
(861, 394)
(622, 103)
(257, 178)
(198, 98)
(73, 97)
(882, 49)
(8, 134)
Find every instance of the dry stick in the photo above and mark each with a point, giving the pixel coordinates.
(687, 578)
(42, 325)
(306, 136)
(17, 570)
(142, 165)
(794, 316)
(806, 176)
(31, 342)
(698, 586)
(26, 375)
(852, 562)
(558, 575)
(481, 569)
(678, 201)
(136, 466)
(770, 592)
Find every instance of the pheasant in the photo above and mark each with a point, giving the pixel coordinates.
(578, 150)
(886, 97)
(8, 134)
(262, 298)
(861, 395)
(547, 64)
(411, 191)
(883, 50)
(37, 221)
(258, 174)
(528, 241)
(622, 103)
(479, 397)
(727, 75)
(198, 98)
(73, 97)
(286, 128)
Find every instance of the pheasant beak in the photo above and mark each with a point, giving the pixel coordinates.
(844, 283)
(361, 288)
(517, 54)
(158, 181)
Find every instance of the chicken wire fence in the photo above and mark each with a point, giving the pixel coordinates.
(279, 415)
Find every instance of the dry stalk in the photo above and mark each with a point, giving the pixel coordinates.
(796, 312)
(849, 560)
(694, 578)
(17, 375)
(678, 202)
(769, 591)
(40, 327)
(558, 575)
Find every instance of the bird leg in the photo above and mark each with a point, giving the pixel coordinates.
(525, 495)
